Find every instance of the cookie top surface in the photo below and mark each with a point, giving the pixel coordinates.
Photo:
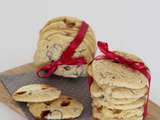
(62, 108)
(114, 74)
(61, 31)
(36, 93)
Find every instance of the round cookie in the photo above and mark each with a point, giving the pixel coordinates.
(98, 93)
(69, 107)
(129, 93)
(38, 109)
(55, 37)
(121, 101)
(133, 105)
(36, 93)
(131, 118)
(63, 108)
(122, 114)
(117, 92)
(104, 112)
(107, 72)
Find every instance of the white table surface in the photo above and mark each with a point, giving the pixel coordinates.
(8, 114)
(128, 25)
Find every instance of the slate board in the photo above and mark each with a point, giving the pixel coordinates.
(76, 88)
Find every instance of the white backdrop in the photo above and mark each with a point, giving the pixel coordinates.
(128, 25)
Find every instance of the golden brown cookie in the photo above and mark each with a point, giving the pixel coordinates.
(63, 108)
(36, 93)
(117, 92)
(106, 72)
(133, 105)
(106, 113)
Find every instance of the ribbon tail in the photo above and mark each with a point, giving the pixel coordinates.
(146, 107)
(47, 71)
(148, 95)
(90, 81)
(68, 53)
(103, 47)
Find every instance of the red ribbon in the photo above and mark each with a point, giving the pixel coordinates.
(66, 57)
(135, 65)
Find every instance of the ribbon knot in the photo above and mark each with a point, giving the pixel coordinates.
(66, 57)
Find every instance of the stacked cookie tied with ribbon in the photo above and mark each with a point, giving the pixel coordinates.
(119, 86)
(66, 45)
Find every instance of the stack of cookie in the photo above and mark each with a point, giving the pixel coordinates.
(46, 102)
(118, 92)
(55, 37)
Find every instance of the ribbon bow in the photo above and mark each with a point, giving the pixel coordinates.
(135, 65)
(66, 57)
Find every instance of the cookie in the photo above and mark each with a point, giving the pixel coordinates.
(122, 114)
(62, 108)
(107, 72)
(115, 113)
(133, 105)
(131, 118)
(121, 101)
(117, 92)
(96, 91)
(36, 93)
(129, 93)
(55, 37)
(38, 109)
